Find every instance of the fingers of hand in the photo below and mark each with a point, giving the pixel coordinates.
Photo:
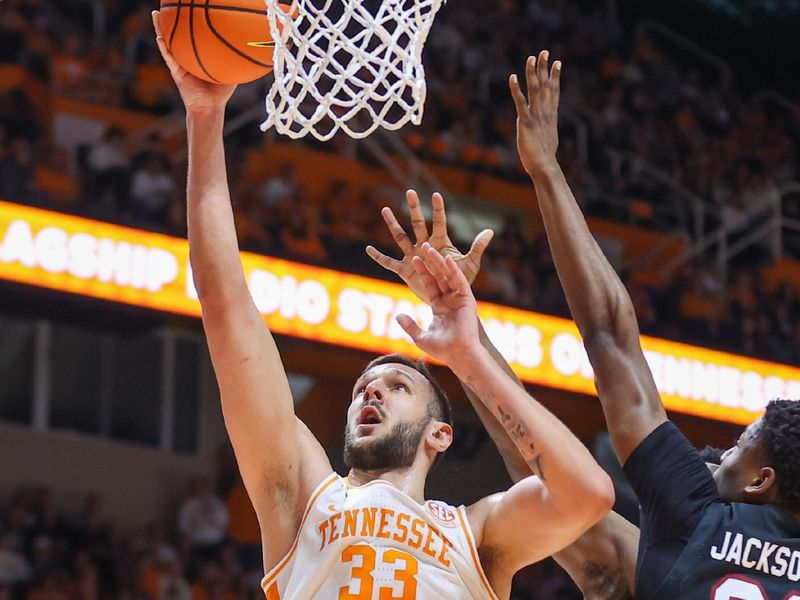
(482, 241)
(517, 95)
(555, 79)
(437, 265)
(428, 280)
(388, 263)
(398, 234)
(455, 278)
(417, 216)
(531, 78)
(439, 216)
(172, 64)
(410, 326)
(156, 24)
(542, 64)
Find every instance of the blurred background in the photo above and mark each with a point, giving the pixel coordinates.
(680, 135)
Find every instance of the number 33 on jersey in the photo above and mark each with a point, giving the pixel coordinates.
(374, 542)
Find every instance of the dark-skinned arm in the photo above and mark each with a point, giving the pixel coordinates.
(598, 300)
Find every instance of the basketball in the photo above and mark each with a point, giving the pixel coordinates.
(224, 42)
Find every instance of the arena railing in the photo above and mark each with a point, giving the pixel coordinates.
(649, 26)
(693, 220)
(775, 98)
(761, 223)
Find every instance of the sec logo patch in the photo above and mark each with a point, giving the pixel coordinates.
(443, 515)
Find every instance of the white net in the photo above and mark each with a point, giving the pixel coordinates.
(350, 65)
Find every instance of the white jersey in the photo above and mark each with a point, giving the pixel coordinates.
(374, 542)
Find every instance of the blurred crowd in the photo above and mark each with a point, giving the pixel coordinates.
(623, 95)
(211, 550)
(627, 93)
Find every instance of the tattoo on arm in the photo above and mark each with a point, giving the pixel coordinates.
(517, 432)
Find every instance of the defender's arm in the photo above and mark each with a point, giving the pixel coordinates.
(599, 302)
(602, 562)
(279, 459)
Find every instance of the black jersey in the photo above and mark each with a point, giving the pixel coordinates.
(693, 546)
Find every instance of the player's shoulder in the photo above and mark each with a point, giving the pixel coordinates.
(513, 502)
(768, 516)
(478, 512)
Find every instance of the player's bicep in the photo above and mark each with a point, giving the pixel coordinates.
(525, 524)
(270, 445)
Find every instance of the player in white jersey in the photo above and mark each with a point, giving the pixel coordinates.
(371, 535)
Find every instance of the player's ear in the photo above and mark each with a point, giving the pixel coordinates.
(440, 436)
(764, 482)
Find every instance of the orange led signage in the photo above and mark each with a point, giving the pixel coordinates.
(131, 266)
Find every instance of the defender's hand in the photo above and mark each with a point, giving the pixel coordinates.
(196, 93)
(537, 117)
(469, 264)
(453, 335)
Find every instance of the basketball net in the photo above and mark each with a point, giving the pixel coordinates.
(340, 66)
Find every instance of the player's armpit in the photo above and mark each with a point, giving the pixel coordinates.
(602, 562)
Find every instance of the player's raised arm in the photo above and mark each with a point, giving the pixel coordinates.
(279, 459)
(602, 562)
(599, 302)
(571, 492)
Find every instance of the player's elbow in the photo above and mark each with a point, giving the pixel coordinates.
(600, 341)
(598, 497)
(613, 329)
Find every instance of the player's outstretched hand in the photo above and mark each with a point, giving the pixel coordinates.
(453, 335)
(469, 264)
(537, 117)
(196, 93)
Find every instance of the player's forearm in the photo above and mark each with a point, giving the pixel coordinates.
(598, 300)
(213, 245)
(517, 467)
(573, 478)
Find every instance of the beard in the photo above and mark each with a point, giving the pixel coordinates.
(395, 450)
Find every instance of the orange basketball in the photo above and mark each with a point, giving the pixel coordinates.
(222, 41)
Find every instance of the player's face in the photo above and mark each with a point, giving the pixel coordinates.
(387, 418)
(741, 467)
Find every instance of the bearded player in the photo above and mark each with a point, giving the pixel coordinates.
(372, 535)
(733, 535)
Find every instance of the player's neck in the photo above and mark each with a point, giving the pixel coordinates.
(410, 481)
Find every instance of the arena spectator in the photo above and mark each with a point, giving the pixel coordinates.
(300, 237)
(70, 70)
(279, 189)
(18, 116)
(14, 567)
(243, 528)
(108, 166)
(203, 518)
(17, 169)
(152, 190)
